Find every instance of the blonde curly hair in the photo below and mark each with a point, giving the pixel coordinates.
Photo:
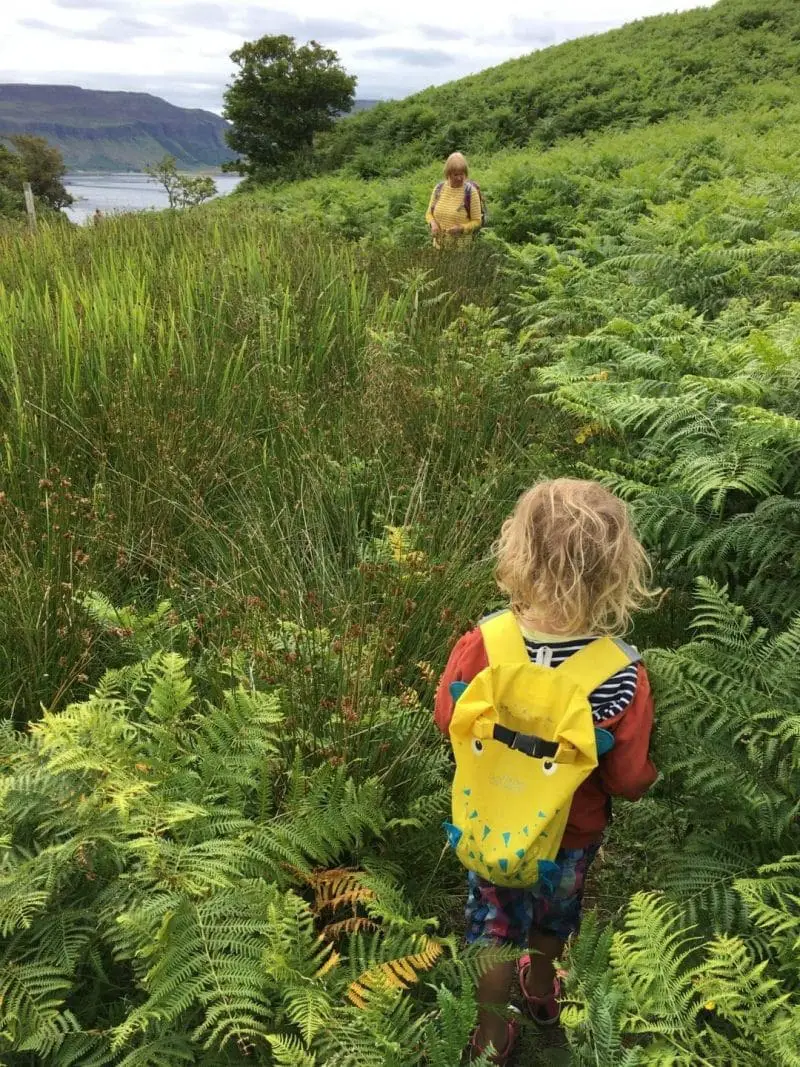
(569, 554)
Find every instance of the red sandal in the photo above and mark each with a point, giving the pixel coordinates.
(546, 1010)
(512, 1033)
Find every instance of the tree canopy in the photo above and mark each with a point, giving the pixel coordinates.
(281, 97)
(25, 158)
(183, 190)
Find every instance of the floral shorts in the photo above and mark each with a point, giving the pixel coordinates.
(506, 916)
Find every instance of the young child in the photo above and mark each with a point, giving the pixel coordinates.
(573, 570)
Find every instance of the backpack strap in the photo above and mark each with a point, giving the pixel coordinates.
(468, 198)
(598, 661)
(437, 192)
(502, 639)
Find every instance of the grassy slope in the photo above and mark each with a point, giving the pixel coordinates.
(668, 65)
(552, 195)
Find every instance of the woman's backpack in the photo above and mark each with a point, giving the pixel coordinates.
(469, 186)
(524, 740)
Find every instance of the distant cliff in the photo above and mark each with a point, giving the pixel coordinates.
(97, 130)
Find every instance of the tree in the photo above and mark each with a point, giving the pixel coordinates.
(181, 189)
(43, 166)
(24, 158)
(11, 179)
(196, 190)
(280, 98)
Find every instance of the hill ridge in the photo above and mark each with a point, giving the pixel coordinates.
(703, 59)
(104, 129)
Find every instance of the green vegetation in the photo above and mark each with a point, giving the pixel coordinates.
(254, 458)
(705, 61)
(182, 190)
(280, 98)
(33, 160)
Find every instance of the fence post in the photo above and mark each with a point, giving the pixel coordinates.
(30, 206)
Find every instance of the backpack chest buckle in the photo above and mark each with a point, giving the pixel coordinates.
(529, 744)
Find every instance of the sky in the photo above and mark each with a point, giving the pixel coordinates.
(180, 49)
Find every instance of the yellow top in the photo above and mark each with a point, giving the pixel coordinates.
(450, 211)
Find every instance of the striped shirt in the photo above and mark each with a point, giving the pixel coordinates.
(609, 699)
(449, 209)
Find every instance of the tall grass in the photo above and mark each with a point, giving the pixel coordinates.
(217, 408)
(295, 451)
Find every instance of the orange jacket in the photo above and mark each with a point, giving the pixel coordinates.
(625, 771)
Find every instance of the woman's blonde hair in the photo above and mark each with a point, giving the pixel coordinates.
(456, 163)
(569, 554)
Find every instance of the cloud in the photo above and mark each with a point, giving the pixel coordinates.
(93, 5)
(338, 30)
(545, 31)
(257, 21)
(440, 33)
(411, 57)
(251, 22)
(114, 29)
(246, 22)
(201, 15)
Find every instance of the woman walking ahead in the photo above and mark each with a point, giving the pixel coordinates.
(454, 211)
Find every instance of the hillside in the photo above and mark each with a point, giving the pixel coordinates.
(97, 130)
(705, 60)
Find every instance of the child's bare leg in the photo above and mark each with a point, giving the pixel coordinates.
(541, 974)
(493, 989)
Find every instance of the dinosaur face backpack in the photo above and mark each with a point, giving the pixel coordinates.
(524, 740)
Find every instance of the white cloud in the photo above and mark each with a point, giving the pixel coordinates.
(180, 50)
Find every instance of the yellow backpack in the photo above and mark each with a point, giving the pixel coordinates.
(524, 740)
